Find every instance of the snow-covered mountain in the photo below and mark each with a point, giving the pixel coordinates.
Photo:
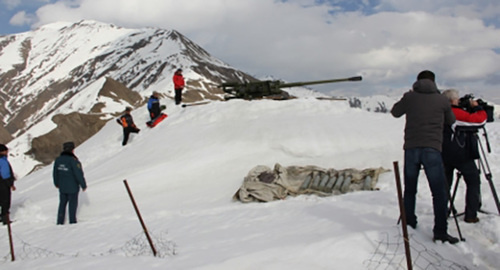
(85, 73)
(65, 81)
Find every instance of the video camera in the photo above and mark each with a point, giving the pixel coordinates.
(465, 103)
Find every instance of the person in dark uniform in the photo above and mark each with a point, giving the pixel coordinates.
(68, 178)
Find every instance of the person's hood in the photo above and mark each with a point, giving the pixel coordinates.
(425, 86)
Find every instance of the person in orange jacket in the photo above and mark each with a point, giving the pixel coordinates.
(178, 85)
(128, 125)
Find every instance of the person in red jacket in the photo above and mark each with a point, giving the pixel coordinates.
(178, 86)
(460, 149)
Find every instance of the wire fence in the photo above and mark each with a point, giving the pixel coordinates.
(390, 254)
(137, 246)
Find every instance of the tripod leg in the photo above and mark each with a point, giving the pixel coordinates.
(452, 207)
(494, 192)
(485, 167)
(452, 198)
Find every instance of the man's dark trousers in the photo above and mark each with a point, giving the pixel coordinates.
(431, 160)
(5, 197)
(470, 172)
(70, 199)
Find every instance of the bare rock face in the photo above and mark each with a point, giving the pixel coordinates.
(5, 136)
(74, 127)
(118, 93)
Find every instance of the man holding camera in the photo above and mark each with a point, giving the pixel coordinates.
(427, 111)
(460, 148)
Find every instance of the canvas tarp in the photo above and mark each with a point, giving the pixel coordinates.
(264, 184)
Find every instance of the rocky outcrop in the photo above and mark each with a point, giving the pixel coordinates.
(74, 127)
(5, 136)
(78, 127)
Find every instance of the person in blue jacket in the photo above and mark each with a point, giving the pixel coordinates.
(154, 105)
(6, 184)
(68, 178)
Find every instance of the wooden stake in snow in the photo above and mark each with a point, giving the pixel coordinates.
(140, 218)
(403, 216)
(13, 258)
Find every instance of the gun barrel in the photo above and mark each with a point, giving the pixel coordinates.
(295, 84)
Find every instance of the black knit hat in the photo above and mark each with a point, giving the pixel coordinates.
(3, 147)
(426, 74)
(68, 146)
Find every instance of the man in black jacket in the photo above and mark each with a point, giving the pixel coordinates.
(426, 113)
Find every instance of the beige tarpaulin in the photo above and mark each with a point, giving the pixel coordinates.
(263, 184)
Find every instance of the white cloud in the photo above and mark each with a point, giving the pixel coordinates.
(13, 4)
(472, 9)
(10, 4)
(22, 18)
(302, 40)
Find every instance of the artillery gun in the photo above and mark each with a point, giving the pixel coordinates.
(269, 89)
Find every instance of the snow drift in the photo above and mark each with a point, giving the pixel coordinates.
(184, 172)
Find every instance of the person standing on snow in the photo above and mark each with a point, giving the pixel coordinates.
(154, 105)
(68, 178)
(7, 179)
(460, 150)
(178, 86)
(427, 111)
(128, 125)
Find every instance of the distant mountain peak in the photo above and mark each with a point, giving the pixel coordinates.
(62, 68)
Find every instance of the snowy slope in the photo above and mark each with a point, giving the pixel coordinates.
(184, 173)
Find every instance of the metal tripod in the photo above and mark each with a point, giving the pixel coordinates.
(483, 167)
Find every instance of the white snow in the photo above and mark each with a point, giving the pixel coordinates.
(184, 172)
(11, 55)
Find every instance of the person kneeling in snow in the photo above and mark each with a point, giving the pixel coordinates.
(154, 105)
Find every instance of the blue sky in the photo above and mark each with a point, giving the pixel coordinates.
(386, 41)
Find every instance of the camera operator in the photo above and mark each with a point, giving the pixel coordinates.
(460, 148)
